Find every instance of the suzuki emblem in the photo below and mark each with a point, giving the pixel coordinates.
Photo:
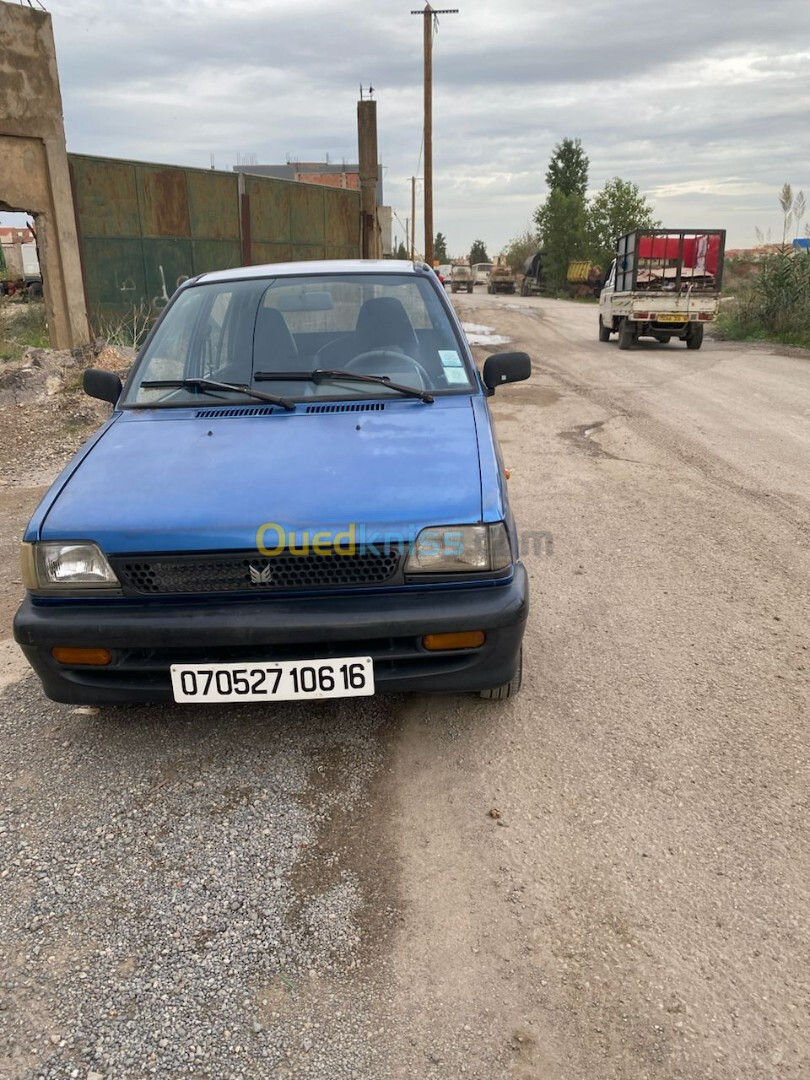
(261, 577)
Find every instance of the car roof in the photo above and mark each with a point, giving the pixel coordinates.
(321, 266)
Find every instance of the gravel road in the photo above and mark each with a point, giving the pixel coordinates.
(606, 877)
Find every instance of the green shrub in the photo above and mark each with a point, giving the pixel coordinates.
(772, 298)
(773, 305)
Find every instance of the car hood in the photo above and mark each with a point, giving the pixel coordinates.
(208, 479)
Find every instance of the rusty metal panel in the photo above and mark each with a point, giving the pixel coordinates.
(270, 253)
(343, 251)
(144, 228)
(213, 202)
(115, 277)
(106, 196)
(164, 201)
(342, 218)
(308, 251)
(215, 255)
(307, 218)
(269, 209)
(167, 263)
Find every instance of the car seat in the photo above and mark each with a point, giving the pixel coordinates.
(382, 323)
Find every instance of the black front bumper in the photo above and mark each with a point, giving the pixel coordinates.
(146, 639)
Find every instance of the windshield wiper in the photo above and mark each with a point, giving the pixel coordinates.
(207, 385)
(326, 374)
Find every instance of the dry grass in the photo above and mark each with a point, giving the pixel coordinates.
(22, 326)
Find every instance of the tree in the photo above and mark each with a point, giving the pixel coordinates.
(568, 168)
(401, 252)
(562, 225)
(478, 253)
(520, 248)
(617, 209)
(440, 248)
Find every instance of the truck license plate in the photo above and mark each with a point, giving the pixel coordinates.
(670, 318)
(288, 680)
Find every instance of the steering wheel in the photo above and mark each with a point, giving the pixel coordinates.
(386, 361)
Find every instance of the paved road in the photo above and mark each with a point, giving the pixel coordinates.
(324, 893)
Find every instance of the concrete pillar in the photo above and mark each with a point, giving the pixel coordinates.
(34, 174)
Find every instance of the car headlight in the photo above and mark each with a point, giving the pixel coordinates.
(63, 567)
(443, 549)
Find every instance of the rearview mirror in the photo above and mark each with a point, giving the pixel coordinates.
(104, 385)
(310, 301)
(506, 367)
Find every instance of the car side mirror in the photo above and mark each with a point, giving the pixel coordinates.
(506, 367)
(104, 385)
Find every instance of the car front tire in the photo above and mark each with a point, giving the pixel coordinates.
(510, 689)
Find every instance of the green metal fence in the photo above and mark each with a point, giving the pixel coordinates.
(143, 229)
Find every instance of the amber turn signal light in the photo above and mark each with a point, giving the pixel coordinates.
(91, 657)
(469, 639)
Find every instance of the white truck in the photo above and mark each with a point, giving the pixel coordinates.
(663, 283)
(480, 272)
(22, 273)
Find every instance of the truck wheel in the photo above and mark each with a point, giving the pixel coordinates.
(469, 288)
(694, 336)
(34, 292)
(454, 288)
(501, 693)
(604, 333)
(627, 335)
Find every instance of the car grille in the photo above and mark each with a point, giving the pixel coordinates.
(242, 572)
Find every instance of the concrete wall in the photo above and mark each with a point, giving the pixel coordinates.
(35, 175)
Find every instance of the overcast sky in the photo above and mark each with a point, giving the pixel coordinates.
(703, 104)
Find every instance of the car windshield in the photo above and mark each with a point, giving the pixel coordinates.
(249, 332)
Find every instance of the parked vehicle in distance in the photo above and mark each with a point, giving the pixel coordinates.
(22, 273)
(584, 278)
(480, 272)
(501, 279)
(533, 276)
(663, 283)
(461, 278)
(299, 495)
(444, 272)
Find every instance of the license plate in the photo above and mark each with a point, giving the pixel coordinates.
(670, 318)
(288, 680)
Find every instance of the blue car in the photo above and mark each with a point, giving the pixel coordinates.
(298, 495)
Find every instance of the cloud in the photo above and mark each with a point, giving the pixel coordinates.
(700, 105)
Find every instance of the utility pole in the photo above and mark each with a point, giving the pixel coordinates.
(413, 217)
(429, 26)
(407, 236)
